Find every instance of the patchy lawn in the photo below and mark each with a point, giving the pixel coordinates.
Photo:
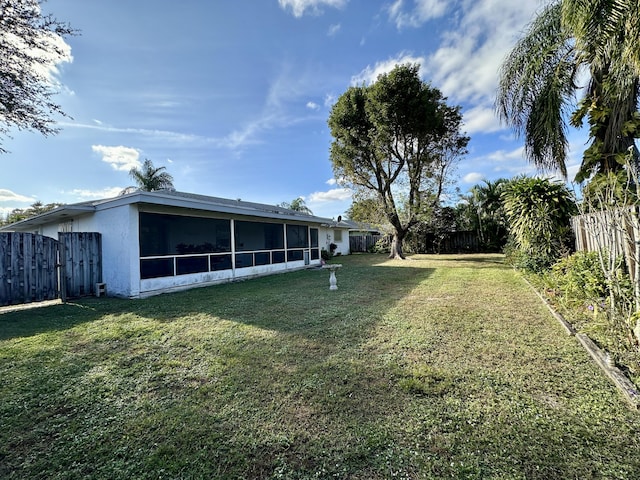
(437, 367)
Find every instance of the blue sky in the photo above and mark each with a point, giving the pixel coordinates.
(233, 96)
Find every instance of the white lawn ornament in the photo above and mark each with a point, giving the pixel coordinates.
(333, 282)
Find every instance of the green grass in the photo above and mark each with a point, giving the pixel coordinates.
(437, 367)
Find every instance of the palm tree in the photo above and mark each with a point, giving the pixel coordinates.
(539, 84)
(150, 178)
(486, 199)
(298, 205)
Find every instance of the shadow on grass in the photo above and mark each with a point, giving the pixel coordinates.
(279, 377)
(231, 381)
(283, 302)
(472, 260)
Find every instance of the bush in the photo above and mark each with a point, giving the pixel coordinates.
(382, 246)
(527, 261)
(580, 277)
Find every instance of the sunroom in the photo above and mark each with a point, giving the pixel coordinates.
(172, 245)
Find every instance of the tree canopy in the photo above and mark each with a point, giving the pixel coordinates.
(539, 83)
(391, 138)
(30, 43)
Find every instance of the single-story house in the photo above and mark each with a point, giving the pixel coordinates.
(155, 242)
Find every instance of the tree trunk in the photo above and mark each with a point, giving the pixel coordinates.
(396, 246)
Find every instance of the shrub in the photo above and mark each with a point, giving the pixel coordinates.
(381, 246)
(580, 277)
(527, 261)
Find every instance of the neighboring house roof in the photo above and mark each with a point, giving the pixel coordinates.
(170, 199)
(358, 226)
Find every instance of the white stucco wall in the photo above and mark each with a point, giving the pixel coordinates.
(120, 249)
(328, 236)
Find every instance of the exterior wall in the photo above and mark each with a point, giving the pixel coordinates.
(119, 227)
(328, 236)
(120, 249)
(154, 286)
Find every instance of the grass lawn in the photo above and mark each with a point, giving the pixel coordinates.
(438, 367)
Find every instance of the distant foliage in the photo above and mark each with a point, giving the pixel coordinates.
(37, 208)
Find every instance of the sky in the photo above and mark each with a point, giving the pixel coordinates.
(233, 96)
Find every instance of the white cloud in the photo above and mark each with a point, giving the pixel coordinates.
(423, 10)
(9, 196)
(313, 106)
(161, 135)
(466, 65)
(107, 192)
(329, 100)
(331, 181)
(473, 177)
(507, 156)
(481, 119)
(371, 74)
(333, 195)
(120, 157)
(299, 7)
(334, 29)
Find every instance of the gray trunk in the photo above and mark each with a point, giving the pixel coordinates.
(396, 247)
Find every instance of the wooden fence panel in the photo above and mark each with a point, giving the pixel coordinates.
(362, 243)
(617, 232)
(27, 268)
(81, 263)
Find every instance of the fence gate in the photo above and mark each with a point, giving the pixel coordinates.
(80, 263)
(34, 268)
(28, 270)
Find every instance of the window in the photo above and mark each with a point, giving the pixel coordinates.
(258, 236)
(162, 234)
(156, 267)
(194, 264)
(297, 236)
(244, 260)
(337, 235)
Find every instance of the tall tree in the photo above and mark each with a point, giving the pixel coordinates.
(539, 84)
(389, 137)
(150, 178)
(30, 43)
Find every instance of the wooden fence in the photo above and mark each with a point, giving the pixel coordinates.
(456, 242)
(362, 243)
(35, 268)
(616, 232)
(28, 270)
(80, 263)
(452, 242)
